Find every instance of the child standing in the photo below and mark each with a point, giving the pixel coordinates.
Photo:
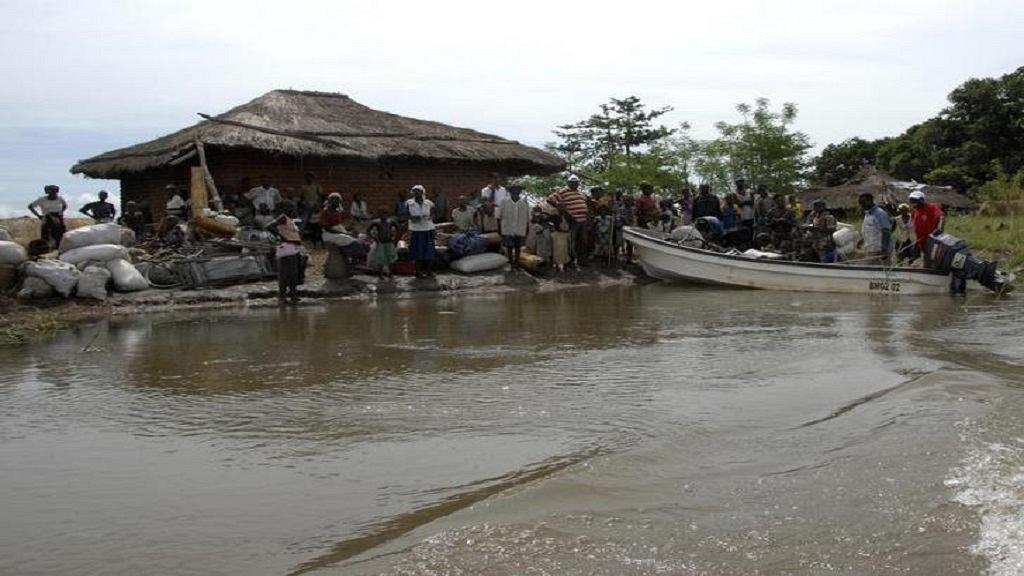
(383, 233)
(560, 241)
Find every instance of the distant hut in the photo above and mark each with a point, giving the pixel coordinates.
(886, 190)
(349, 147)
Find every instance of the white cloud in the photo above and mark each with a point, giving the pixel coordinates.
(121, 69)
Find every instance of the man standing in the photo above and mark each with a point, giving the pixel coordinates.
(706, 203)
(494, 193)
(928, 219)
(823, 225)
(647, 209)
(312, 192)
(763, 204)
(745, 200)
(514, 223)
(876, 231)
(571, 202)
(101, 211)
(264, 194)
(51, 209)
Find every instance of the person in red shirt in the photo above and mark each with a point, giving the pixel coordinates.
(928, 220)
(647, 210)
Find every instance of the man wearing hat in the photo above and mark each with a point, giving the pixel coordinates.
(571, 202)
(50, 209)
(928, 219)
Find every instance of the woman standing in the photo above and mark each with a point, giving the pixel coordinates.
(421, 228)
(360, 214)
(289, 256)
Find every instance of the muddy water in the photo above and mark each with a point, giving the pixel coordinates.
(650, 430)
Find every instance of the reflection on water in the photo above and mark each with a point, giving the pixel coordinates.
(625, 430)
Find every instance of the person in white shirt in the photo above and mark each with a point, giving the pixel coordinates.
(514, 223)
(421, 230)
(494, 193)
(50, 209)
(176, 205)
(264, 194)
(358, 208)
(745, 199)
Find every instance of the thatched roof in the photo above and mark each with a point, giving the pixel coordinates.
(886, 190)
(296, 123)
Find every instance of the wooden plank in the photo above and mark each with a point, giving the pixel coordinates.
(197, 189)
(218, 204)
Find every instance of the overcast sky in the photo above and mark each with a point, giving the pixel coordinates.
(81, 78)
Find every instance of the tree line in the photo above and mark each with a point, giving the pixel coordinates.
(975, 145)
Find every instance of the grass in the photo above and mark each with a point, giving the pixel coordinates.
(31, 325)
(997, 237)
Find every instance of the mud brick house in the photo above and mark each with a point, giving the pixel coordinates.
(349, 147)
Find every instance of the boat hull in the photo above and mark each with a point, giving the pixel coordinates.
(669, 261)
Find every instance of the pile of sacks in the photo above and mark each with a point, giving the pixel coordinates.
(89, 258)
(12, 255)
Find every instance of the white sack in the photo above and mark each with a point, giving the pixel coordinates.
(479, 262)
(109, 233)
(126, 277)
(93, 283)
(95, 253)
(5, 235)
(339, 240)
(33, 287)
(61, 276)
(227, 219)
(12, 253)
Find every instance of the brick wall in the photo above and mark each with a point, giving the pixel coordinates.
(379, 183)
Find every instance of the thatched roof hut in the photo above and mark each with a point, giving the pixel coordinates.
(885, 189)
(352, 148)
(297, 123)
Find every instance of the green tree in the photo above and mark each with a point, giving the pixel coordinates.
(837, 163)
(622, 128)
(762, 147)
(969, 142)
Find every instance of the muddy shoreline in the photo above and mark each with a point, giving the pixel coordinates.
(24, 322)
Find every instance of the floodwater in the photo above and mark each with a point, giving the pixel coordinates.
(639, 430)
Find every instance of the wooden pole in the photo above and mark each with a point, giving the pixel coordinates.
(180, 159)
(210, 184)
(197, 190)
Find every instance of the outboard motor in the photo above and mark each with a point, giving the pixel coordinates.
(950, 255)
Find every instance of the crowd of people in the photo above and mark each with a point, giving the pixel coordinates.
(567, 228)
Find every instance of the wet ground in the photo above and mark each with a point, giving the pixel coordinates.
(622, 430)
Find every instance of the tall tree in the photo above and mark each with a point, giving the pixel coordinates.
(979, 136)
(762, 147)
(622, 127)
(837, 163)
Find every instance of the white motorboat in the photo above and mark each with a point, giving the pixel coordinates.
(665, 259)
